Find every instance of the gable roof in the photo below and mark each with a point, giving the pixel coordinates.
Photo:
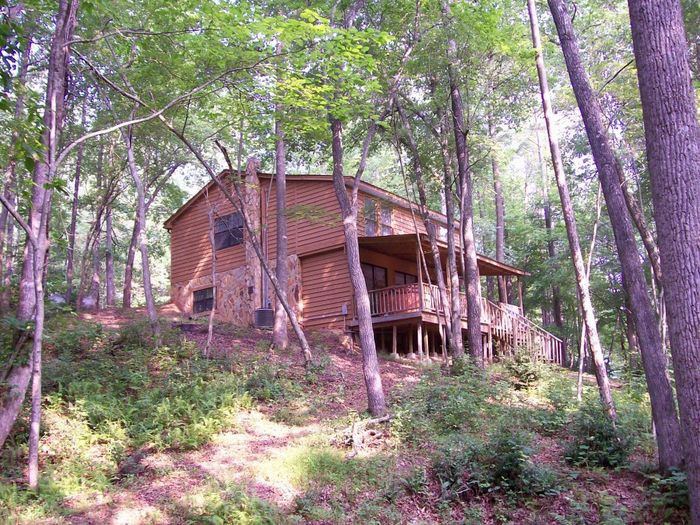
(365, 187)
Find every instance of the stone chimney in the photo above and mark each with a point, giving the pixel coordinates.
(251, 204)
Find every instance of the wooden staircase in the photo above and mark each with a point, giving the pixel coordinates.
(510, 331)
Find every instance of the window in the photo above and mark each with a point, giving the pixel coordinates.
(404, 278)
(375, 276)
(385, 220)
(228, 231)
(203, 300)
(370, 215)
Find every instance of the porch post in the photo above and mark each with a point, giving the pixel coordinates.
(420, 340)
(520, 295)
(420, 277)
(394, 350)
(411, 355)
(426, 343)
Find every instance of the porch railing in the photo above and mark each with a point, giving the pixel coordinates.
(506, 327)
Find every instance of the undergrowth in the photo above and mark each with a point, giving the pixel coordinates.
(107, 397)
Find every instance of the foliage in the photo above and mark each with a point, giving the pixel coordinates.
(105, 401)
(596, 440)
(441, 404)
(500, 464)
(524, 371)
(668, 495)
(229, 504)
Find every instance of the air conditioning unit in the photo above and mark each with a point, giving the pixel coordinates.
(264, 317)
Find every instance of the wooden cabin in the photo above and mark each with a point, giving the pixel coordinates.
(396, 262)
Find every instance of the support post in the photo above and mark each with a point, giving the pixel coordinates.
(419, 266)
(420, 340)
(394, 349)
(520, 295)
(426, 343)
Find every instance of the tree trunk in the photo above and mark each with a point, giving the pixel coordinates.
(589, 262)
(110, 299)
(455, 332)
(129, 264)
(9, 191)
(279, 331)
(500, 216)
(370, 363)
(551, 249)
(449, 314)
(70, 259)
(673, 151)
(212, 312)
(141, 241)
(31, 296)
(471, 268)
(582, 282)
(654, 361)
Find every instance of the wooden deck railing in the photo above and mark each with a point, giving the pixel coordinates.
(505, 326)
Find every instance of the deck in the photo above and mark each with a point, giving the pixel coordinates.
(504, 328)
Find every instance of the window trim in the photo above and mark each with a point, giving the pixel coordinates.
(404, 274)
(195, 301)
(369, 212)
(374, 280)
(386, 228)
(228, 230)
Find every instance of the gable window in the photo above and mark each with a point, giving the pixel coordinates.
(203, 300)
(375, 276)
(370, 215)
(385, 220)
(228, 230)
(404, 278)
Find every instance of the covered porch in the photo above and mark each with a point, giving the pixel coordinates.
(407, 313)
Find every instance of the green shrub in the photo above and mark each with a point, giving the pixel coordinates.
(596, 440)
(669, 495)
(522, 369)
(501, 464)
(442, 404)
(234, 506)
(265, 382)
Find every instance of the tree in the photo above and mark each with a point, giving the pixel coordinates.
(471, 268)
(279, 332)
(582, 278)
(31, 299)
(672, 139)
(653, 358)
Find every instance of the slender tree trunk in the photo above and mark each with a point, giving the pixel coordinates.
(456, 345)
(212, 312)
(70, 259)
(142, 242)
(471, 267)
(673, 150)
(582, 282)
(500, 216)
(348, 207)
(589, 262)
(9, 190)
(131, 251)
(551, 249)
(31, 286)
(129, 264)
(110, 299)
(455, 334)
(653, 358)
(279, 332)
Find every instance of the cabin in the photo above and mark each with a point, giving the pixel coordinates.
(396, 261)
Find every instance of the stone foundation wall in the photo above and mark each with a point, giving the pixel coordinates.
(235, 301)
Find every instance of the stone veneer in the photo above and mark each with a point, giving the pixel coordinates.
(234, 303)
